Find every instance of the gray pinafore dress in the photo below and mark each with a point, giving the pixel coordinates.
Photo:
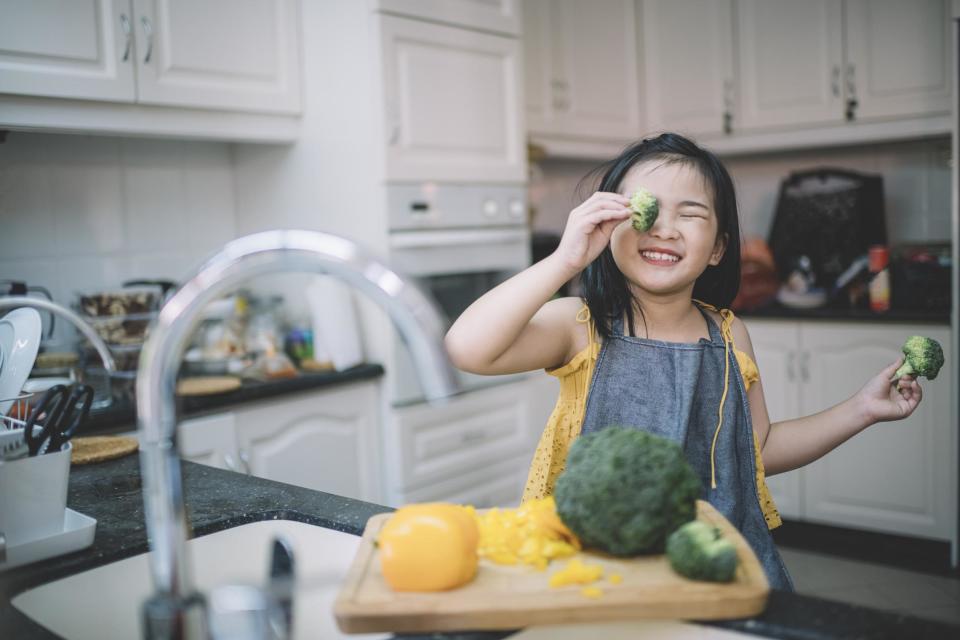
(674, 390)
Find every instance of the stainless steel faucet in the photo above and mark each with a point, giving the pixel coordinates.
(175, 607)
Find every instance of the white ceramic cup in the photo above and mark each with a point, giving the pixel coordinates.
(33, 495)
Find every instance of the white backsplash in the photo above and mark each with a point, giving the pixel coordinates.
(88, 212)
(916, 183)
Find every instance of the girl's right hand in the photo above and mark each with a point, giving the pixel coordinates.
(589, 228)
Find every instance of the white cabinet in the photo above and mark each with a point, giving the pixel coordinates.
(501, 16)
(218, 55)
(474, 448)
(899, 59)
(687, 61)
(824, 61)
(894, 476)
(453, 104)
(327, 440)
(790, 62)
(67, 49)
(581, 69)
(213, 69)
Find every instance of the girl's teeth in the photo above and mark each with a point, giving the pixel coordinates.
(653, 255)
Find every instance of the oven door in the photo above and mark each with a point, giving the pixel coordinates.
(455, 267)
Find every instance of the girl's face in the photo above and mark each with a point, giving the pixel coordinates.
(682, 242)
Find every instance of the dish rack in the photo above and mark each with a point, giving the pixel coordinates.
(16, 417)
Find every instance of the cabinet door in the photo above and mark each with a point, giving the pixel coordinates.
(776, 346)
(219, 55)
(499, 485)
(501, 16)
(898, 57)
(789, 62)
(539, 81)
(595, 50)
(67, 49)
(688, 65)
(454, 109)
(211, 440)
(894, 476)
(326, 441)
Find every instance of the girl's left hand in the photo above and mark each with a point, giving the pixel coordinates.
(884, 400)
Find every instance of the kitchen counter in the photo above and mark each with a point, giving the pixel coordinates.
(218, 499)
(121, 417)
(776, 311)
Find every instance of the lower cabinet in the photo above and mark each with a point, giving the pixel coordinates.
(895, 477)
(475, 449)
(326, 440)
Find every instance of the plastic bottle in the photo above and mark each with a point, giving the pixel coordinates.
(879, 258)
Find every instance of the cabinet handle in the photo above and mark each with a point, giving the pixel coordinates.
(127, 31)
(728, 106)
(792, 367)
(852, 102)
(245, 461)
(835, 80)
(805, 367)
(147, 31)
(230, 462)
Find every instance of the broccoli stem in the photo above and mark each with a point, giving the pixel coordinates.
(906, 369)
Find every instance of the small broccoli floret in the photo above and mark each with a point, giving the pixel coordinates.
(700, 552)
(924, 357)
(624, 490)
(645, 209)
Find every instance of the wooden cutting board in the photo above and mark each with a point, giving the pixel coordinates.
(511, 597)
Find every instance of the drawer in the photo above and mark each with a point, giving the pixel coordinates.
(499, 485)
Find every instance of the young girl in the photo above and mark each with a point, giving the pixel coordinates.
(652, 344)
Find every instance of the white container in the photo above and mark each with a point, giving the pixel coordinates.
(33, 495)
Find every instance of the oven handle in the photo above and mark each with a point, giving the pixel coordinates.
(432, 239)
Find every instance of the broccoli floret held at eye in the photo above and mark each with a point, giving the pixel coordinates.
(624, 491)
(645, 209)
(923, 357)
(699, 551)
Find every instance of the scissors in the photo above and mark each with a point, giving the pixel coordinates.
(59, 414)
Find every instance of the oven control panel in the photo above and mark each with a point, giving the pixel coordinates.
(430, 205)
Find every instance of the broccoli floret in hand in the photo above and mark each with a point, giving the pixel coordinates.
(624, 491)
(699, 551)
(645, 209)
(924, 357)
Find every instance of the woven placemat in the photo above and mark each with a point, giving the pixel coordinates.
(207, 385)
(90, 449)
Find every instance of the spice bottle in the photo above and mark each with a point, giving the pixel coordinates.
(879, 258)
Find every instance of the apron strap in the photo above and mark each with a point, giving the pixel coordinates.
(727, 333)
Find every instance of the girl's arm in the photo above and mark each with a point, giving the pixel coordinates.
(512, 328)
(791, 444)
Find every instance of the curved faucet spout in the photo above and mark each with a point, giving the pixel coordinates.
(415, 316)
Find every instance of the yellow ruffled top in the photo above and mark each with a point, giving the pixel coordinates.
(564, 423)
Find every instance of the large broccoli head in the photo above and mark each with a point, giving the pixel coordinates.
(924, 357)
(645, 208)
(699, 551)
(624, 491)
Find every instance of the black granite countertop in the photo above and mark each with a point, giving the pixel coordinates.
(776, 311)
(218, 499)
(121, 416)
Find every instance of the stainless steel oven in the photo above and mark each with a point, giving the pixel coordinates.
(458, 242)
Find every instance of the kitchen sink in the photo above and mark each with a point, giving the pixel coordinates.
(104, 603)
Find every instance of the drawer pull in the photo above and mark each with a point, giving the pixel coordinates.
(471, 436)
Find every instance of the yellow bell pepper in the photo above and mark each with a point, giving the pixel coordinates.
(429, 547)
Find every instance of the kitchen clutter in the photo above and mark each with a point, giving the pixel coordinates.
(828, 247)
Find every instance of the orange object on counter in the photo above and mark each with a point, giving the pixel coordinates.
(879, 287)
(429, 547)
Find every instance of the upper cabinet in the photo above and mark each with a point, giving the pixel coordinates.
(114, 63)
(67, 49)
(687, 55)
(824, 61)
(211, 55)
(581, 68)
(790, 62)
(898, 57)
(453, 103)
(499, 16)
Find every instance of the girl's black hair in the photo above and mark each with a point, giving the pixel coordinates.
(605, 288)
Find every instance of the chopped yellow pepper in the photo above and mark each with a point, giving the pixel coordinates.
(576, 572)
(429, 547)
(531, 534)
